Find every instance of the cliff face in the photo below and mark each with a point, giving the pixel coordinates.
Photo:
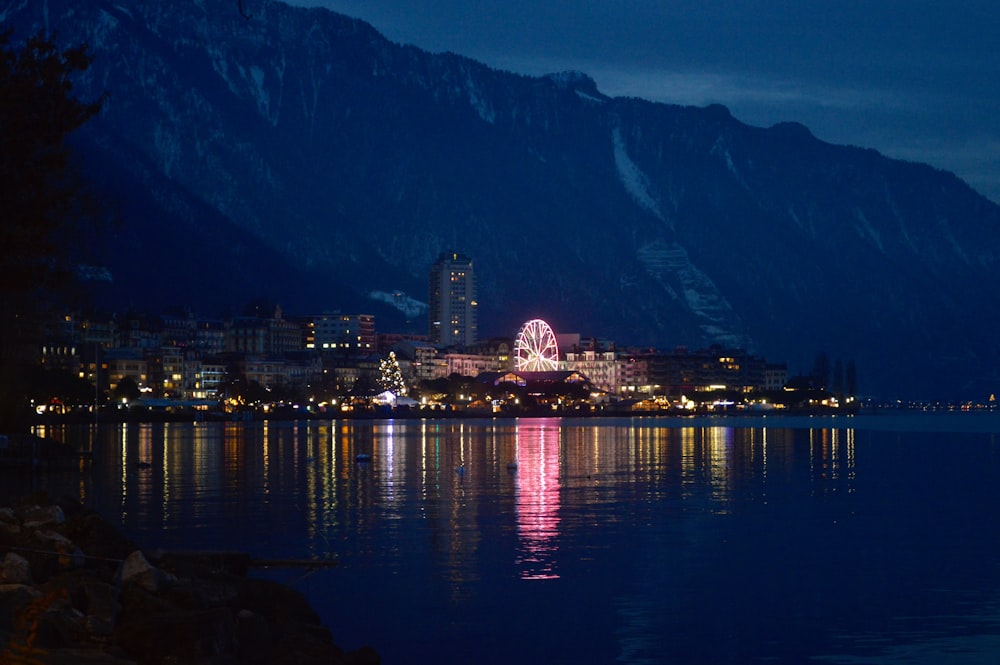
(300, 155)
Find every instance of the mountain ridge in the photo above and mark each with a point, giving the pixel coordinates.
(350, 162)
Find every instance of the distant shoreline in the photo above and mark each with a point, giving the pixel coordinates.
(902, 419)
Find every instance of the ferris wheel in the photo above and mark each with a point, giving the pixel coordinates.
(535, 349)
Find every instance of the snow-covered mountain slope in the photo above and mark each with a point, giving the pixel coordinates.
(350, 162)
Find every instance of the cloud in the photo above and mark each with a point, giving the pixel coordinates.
(700, 88)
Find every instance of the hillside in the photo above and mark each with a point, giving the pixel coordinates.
(301, 156)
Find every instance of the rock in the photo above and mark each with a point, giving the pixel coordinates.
(33, 517)
(94, 598)
(97, 537)
(61, 626)
(203, 564)
(13, 599)
(137, 603)
(10, 527)
(192, 594)
(56, 550)
(276, 602)
(193, 636)
(15, 569)
(136, 569)
(253, 636)
(82, 657)
(366, 655)
(75, 591)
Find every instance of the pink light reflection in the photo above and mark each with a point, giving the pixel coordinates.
(537, 498)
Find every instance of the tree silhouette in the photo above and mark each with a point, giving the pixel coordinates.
(127, 389)
(39, 195)
(851, 378)
(821, 370)
(838, 377)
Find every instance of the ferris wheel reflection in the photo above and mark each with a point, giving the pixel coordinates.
(537, 492)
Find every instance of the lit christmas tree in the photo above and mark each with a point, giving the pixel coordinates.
(390, 376)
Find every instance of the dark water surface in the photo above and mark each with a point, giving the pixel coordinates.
(842, 540)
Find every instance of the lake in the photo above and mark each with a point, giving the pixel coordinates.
(868, 539)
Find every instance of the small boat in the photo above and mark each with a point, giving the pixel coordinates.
(512, 466)
(363, 457)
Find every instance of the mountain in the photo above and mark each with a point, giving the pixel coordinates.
(297, 154)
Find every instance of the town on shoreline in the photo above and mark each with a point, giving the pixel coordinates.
(267, 364)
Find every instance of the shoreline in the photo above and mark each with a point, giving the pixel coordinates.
(403, 413)
(74, 589)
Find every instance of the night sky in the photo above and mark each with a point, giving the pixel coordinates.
(913, 79)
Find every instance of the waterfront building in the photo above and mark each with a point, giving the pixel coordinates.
(256, 335)
(98, 332)
(452, 298)
(557, 388)
(715, 368)
(343, 375)
(302, 369)
(210, 337)
(473, 364)
(126, 362)
(212, 373)
(422, 359)
(633, 372)
(500, 348)
(188, 332)
(265, 371)
(603, 368)
(386, 342)
(179, 329)
(775, 376)
(140, 331)
(65, 356)
(335, 331)
(169, 379)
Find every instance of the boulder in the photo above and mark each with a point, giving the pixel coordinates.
(95, 599)
(10, 527)
(203, 564)
(137, 570)
(15, 569)
(179, 636)
(73, 590)
(97, 537)
(275, 602)
(71, 656)
(33, 517)
(14, 598)
(50, 551)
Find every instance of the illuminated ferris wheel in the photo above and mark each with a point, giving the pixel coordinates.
(535, 349)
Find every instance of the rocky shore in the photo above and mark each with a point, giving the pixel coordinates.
(74, 590)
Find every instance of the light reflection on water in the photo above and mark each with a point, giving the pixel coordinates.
(537, 505)
(611, 540)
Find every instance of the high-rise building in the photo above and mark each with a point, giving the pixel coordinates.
(452, 313)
